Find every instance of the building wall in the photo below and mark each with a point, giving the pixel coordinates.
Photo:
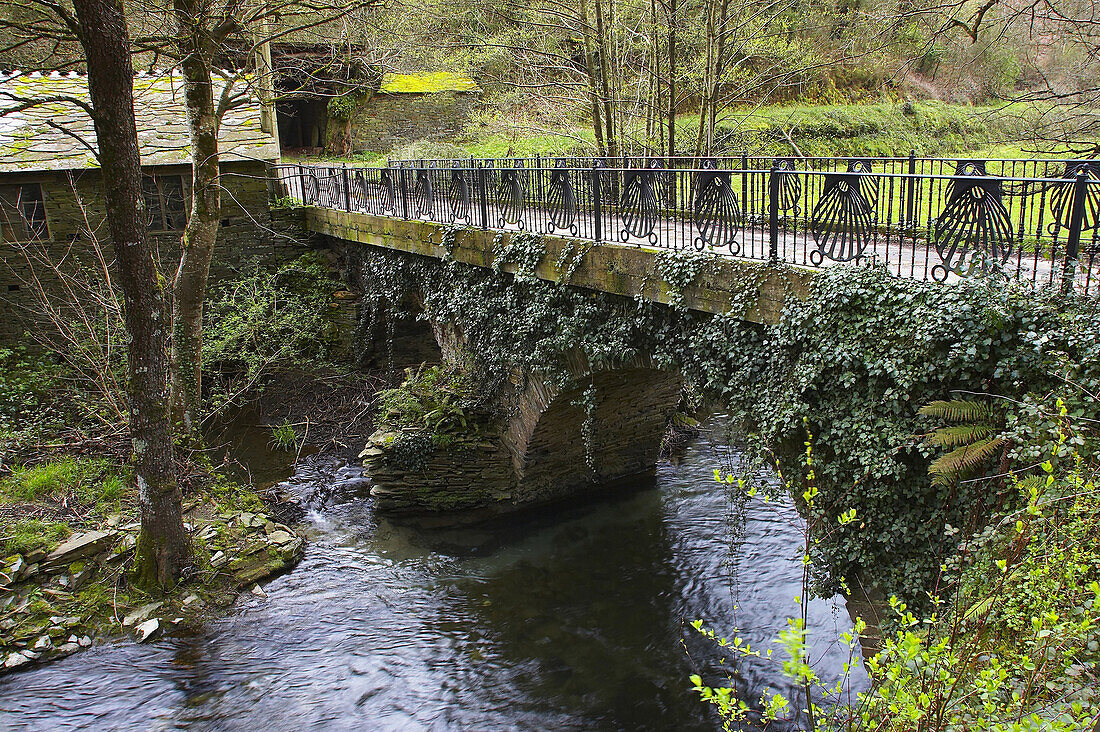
(76, 218)
(388, 121)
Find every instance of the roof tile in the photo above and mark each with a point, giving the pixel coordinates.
(28, 141)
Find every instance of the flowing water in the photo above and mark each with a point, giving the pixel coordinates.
(565, 619)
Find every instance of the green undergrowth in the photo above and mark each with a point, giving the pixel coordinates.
(36, 399)
(95, 483)
(890, 128)
(267, 320)
(887, 128)
(26, 535)
(42, 504)
(929, 128)
(441, 402)
(1008, 641)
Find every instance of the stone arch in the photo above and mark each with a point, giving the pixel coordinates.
(634, 402)
(415, 340)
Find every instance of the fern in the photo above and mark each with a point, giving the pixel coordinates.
(971, 438)
(958, 435)
(958, 411)
(965, 461)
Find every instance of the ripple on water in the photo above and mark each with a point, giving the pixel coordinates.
(568, 619)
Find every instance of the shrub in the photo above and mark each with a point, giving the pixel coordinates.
(268, 320)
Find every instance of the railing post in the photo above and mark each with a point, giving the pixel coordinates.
(773, 213)
(347, 189)
(483, 195)
(746, 207)
(910, 194)
(404, 192)
(1076, 222)
(302, 184)
(597, 206)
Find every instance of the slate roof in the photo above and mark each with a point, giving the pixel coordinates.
(29, 143)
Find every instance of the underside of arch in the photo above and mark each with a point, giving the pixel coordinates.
(558, 448)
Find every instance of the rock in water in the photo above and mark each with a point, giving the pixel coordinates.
(141, 614)
(147, 630)
(15, 660)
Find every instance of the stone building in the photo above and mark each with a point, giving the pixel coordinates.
(401, 108)
(412, 107)
(50, 202)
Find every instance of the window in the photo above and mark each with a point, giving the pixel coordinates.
(22, 213)
(165, 202)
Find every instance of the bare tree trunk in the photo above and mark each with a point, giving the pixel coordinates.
(605, 90)
(716, 33)
(590, 72)
(657, 109)
(719, 63)
(704, 97)
(672, 78)
(162, 548)
(197, 246)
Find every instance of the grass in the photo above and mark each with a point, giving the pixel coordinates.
(283, 436)
(28, 534)
(91, 482)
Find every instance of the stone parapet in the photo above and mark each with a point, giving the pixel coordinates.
(750, 290)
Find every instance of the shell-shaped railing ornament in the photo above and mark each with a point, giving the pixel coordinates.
(974, 229)
(458, 195)
(511, 197)
(715, 210)
(640, 203)
(790, 185)
(1062, 197)
(423, 194)
(844, 219)
(561, 200)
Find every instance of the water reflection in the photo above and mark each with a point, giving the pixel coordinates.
(564, 619)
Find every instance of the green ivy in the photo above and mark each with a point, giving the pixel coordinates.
(855, 360)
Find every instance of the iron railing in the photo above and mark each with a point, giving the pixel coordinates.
(1038, 220)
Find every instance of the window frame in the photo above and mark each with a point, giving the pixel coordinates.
(164, 226)
(28, 233)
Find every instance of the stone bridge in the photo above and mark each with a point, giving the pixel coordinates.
(539, 453)
(758, 237)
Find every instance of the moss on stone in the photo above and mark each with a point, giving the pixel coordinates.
(427, 83)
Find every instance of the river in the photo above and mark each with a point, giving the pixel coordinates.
(569, 618)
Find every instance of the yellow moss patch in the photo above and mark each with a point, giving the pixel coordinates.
(427, 83)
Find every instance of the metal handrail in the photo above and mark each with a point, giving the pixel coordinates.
(924, 224)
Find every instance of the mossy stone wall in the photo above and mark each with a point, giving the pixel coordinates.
(250, 232)
(388, 121)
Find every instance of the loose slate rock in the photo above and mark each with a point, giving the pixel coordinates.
(78, 547)
(147, 630)
(141, 614)
(15, 660)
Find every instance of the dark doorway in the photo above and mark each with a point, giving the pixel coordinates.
(302, 123)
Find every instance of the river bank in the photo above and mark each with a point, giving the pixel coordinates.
(570, 617)
(69, 513)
